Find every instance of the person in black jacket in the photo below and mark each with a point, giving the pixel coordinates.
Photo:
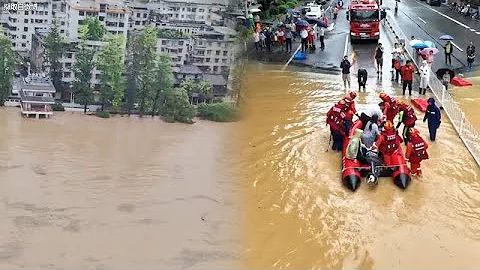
(470, 56)
(345, 66)
(362, 75)
(434, 117)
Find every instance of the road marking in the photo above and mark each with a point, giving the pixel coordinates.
(450, 18)
(422, 20)
(473, 30)
(345, 51)
(478, 33)
(456, 46)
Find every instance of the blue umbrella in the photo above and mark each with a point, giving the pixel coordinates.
(420, 46)
(446, 37)
(303, 23)
(429, 43)
(317, 22)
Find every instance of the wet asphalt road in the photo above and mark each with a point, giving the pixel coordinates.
(430, 22)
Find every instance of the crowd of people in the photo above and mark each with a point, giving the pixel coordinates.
(378, 133)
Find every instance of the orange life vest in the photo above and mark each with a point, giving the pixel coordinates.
(335, 117)
(409, 116)
(419, 151)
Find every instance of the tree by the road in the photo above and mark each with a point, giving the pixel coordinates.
(7, 64)
(55, 46)
(164, 81)
(177, 107)
(189, 86)
(146, 61)
(111, 65)
(83, 68)
(132, 69)
(96, 30)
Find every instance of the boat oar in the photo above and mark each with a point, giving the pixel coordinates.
(329, 141)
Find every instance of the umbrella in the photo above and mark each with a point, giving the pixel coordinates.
(303, 23)
(442, 72)
(415, 41)
(428, 50)
(293, 11)
(317, 22)
(255, 10)
(446, 37)
(241, 17)
(397, 50)
(385, 8)
(429, 43)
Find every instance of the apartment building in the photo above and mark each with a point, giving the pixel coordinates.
(213, 50)
(21, 18)
(179, 49)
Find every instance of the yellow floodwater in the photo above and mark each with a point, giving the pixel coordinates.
(80, 192)
(299, 216)
(468, 99)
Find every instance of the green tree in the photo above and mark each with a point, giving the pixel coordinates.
(176, 106)
(132, 72)
(164, 81)
(96, 30)
(83, 68)
(204, 88)
(147, 63)
(190, 86)
(54, 48)
(7, 65)
(111, 65)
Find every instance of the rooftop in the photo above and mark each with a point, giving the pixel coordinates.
(37, 83)
(215, 79)
(201, 2)
(189, 69)
(31, 99)
(225, 30)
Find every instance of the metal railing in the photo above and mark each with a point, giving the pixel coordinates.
(466, 131)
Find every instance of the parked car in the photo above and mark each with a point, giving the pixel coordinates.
(314, 12)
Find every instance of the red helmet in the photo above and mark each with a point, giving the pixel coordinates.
(382, 95)
(352, 95)
(413, 131)
(388, 125)
(341, 102)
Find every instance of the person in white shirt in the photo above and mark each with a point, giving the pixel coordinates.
(281, 38)
(304, 36)
(256, 39)
(262, 39)
(321, 36)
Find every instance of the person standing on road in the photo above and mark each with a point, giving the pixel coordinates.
(434, 117)
(345, 65)
(407, 77)
(416, 152)
(362, 75)
(321, 36)
(424, 77)
(256, 39)
(448, 48)
(379, 58)
(304, 36)
(470, 55)
(288, 40)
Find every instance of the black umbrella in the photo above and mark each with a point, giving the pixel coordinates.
(317, 22)
(442, 72)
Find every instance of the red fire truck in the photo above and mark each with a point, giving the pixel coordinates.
(365, 17)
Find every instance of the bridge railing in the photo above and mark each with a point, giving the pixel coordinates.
(466, 131)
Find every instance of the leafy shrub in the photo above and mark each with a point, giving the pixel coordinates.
(102, 114)
(291, 4)
(280, 3)
(57, 107)
(282, 9)
(273, 10)
(218, 112)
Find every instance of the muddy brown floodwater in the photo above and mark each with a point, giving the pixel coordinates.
(468, 99)
(120, 193)
(299, 216)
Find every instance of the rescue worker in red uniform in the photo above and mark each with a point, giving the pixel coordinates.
(388, 142)
(335, 119)
(407, 117)
(390, 108)
(349, 99)
(416, 151)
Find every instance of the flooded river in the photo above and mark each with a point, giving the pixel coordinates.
(299, 215)
(469, 98)
(121, 193)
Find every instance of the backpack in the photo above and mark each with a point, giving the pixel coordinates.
(397, 65)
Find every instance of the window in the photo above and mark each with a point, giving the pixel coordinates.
(137, 23)
(164, 42)
(183, 9)
(207, 60)
(145, 15)
(97, 76)
(81, 13)
(200, 17)
(209, 52)
(180, 42)
(182, 16)
(67, 65)
(69, 55)
(224, 61)
(225, 53)
(194, 9)
(25, 21)
(24, 36)
(62, 31)
(216, 60)
(62, 23)
(215, 69)
(46, 12)
(24, 45)
(25, 29)
(138, 15)
(184, 76)
(121, 24)
(217, 53)
(180, 50)
(201, 10)
(26, 12)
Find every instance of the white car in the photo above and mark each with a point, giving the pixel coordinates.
(314, 12)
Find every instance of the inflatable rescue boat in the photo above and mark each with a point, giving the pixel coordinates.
(353, 170)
